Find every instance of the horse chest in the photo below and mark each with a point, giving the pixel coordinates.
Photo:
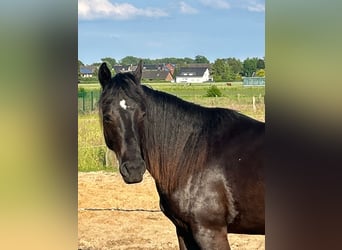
(203, 198)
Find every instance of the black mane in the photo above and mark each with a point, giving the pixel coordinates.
(177, 130)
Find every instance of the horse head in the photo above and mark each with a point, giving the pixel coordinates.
(122, 111)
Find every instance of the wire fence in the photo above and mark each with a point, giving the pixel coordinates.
(121, 209)
(88, 98)
(88, 101)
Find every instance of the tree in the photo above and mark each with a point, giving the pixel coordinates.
(78, 68)
(213, 91)
(188, 60)
(260, 64)
(109, 60)
(128, 60)
(221, 71)
(97, 64)
(260, 73)
(235, 64)
(201, 59)
(250, 66)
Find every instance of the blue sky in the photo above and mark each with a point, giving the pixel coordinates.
(156, 29)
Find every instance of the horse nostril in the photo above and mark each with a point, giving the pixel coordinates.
(124, 169)
(130, 169)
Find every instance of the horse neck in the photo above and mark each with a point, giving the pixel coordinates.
(172, 139)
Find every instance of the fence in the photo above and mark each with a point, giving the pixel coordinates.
(254, 81)
(88, 100)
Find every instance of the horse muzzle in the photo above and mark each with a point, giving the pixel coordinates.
(132, 171)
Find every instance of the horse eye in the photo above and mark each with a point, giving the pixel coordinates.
(107, 118)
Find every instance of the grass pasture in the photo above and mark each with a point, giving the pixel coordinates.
(91, 146)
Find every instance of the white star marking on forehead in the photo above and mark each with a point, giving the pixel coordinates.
(123, 104)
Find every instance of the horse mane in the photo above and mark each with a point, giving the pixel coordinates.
(177, 137)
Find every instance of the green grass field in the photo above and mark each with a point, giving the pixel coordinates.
(91, 145)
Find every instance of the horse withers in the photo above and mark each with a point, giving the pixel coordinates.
(207, 163)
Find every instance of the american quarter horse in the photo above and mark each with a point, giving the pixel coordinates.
(207, 163)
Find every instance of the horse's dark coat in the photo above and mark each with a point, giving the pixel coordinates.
(207, 162)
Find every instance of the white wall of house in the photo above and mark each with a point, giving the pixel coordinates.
(193, 79)
(87, 75)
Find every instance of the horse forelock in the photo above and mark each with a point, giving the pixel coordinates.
(121, 84)
(122, 79)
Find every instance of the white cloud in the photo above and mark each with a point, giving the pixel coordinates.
(256, 7)
(217, 4)
(250, 5)
(187, 9)
(104, 9)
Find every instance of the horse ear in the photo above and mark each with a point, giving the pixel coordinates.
(138, 72)
(104, 75)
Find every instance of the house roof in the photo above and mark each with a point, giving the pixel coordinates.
(199, 65)
(160, 66)
(155, 74)
(85, 70)
(170, 67)
(121, 68)
(152, 66)
(191, 71)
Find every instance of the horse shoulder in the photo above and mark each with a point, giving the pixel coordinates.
(205, 198)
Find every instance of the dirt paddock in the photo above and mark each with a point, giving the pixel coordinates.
(128, 216)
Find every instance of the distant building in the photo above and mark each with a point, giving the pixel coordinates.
(158, 72)
(150, 72)
(199, 65)
(87, 71)
(253, 81)
(193, 75)
(124, 68)
(157, 75)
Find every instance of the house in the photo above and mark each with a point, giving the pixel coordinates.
(87, 71)
(193, 75)
(253, 81)
(161, 66)
(171, 68)
(150, 72)
(157, 75)
(158, 72)
(124, 68)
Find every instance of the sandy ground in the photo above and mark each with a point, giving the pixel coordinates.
(118, 225)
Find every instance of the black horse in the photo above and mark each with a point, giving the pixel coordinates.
(207, 162)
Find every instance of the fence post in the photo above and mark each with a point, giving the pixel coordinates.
(254, 107)
(83, 101)
(92, 100)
